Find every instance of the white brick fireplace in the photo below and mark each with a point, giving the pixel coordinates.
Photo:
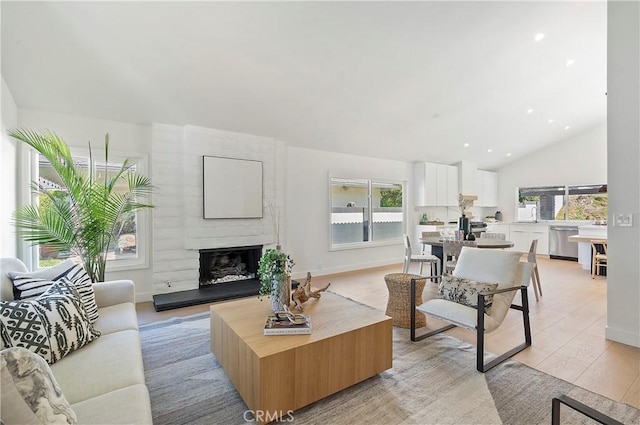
(179, 230)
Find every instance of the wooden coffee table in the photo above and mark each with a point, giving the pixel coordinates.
(278, 374)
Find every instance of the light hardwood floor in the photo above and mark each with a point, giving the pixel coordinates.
(567, 326)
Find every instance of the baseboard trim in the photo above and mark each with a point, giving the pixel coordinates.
(622, 336)
(142, 297)
(344, 269)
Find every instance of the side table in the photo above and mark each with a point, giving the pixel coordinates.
(399, 304)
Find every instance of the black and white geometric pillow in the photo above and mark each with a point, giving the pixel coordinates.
(52, 326)
(27, 286)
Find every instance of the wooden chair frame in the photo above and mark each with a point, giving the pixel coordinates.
(481, 366)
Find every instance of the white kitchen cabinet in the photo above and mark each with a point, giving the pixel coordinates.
(487, 188)
(452, 185)
(522, 234)
(436, 185)
(499, 228)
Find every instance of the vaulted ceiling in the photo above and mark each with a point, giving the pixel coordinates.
(413, 81)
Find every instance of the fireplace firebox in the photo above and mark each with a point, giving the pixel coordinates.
(229, 266)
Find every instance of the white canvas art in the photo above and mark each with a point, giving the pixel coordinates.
(232, 188)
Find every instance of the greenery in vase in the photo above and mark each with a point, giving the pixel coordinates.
(89, 213)
(273, 265)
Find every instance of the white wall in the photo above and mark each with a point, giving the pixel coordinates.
(623, 104)
(179, 229)
(8, 174)
(124, 137)
(580, 159)
(308, 208)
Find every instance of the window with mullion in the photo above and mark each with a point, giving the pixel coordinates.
(365, 211)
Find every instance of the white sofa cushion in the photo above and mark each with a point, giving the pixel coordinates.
(30, 393)
(52, 326)
(118, 317)
(128, 405)
(9, 264)
(112, 362)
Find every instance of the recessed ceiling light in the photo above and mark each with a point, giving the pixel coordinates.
(489, 150)
(567, 127)
(570, 62)
(529, 111)
(509, 154)
(539, 36)
(550, 121)
(466, 145)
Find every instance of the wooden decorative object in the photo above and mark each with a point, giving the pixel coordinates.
(304, 292)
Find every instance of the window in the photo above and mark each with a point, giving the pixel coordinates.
(127, 250)
(365, 212)
(578, 202)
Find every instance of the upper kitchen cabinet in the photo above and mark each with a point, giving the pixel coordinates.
(487, 188)
(436, 184)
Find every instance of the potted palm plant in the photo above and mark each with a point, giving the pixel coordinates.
(87, 221)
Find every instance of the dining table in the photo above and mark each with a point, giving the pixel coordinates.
(480, 242)
(437, 241)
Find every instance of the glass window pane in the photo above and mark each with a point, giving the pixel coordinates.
(587, 203)
(48, 179)
(349, 211)
(541, 203)
(124, 244)
(125, 237)
(387, 211)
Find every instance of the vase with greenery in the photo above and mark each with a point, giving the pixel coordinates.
(274, 270)
(88, 217)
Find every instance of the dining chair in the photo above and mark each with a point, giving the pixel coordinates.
(452, 249)
(433, 261)
(428, 235)
(493, 235)
(598, 256)
(535, 276)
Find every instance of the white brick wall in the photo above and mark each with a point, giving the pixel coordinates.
(179, 230)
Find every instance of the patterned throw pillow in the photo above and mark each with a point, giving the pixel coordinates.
(30, 393)
(52, 326)
(28, 286)
(465, 291)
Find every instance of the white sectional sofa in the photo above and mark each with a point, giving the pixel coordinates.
(104, 380)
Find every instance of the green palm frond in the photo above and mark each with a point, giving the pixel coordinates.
(87, 221)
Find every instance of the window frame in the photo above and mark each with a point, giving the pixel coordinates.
(566, 188)
(143, 221)
(370, 184)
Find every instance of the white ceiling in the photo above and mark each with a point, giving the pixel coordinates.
(411, 81)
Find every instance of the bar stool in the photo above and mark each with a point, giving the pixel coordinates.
(598, 257)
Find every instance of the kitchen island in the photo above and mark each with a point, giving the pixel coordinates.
(584, 237)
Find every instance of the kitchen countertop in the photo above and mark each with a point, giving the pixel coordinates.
(586, 239)
(572, 223)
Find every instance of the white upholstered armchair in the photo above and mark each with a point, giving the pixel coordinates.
(488, 278)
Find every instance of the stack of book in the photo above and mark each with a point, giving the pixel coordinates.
(281, 325)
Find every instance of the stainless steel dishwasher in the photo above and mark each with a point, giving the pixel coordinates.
(559, 245)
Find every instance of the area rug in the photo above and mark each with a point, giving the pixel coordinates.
(433, 381)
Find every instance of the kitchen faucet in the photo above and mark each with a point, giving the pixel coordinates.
(534, 214)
